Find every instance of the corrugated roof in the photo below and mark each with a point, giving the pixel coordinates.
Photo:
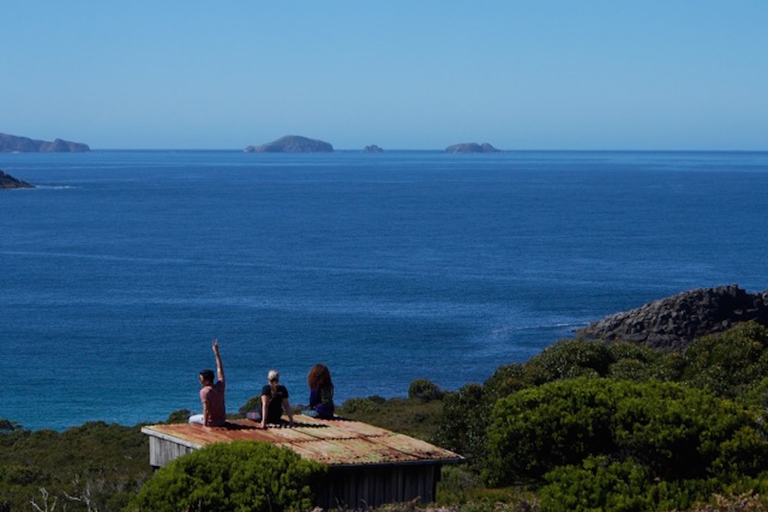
(334, 442)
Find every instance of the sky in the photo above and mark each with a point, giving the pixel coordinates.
(418, 74)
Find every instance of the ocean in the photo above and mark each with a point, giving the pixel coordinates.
(121, 267)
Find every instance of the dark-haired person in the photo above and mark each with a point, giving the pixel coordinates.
(320, 392)
(212, 395)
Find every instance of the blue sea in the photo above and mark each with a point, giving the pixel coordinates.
(121, 267)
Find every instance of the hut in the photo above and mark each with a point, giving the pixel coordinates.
(367, 466)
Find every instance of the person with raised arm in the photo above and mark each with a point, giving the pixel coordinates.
(212, 395)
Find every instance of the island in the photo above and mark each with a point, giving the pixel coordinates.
(472, 147)
(16, 144)
(292, 144)
(373, 148)
(8, 181)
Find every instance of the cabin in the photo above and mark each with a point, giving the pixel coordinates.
(367, 466)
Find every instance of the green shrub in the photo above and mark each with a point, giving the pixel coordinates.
(179, 416)
(361, 405)
(638, 363)
(253, 404)
(538, 429)
(730, 363)
(678, 432)
(227, 477)
(464, 420)
(568, 359)
(412, 417)
(630, 369)
(424, 390)
(507, 379)
(599, 484)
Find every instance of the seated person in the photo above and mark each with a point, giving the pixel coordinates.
(274, 400)
(212, 395)
(320, 392)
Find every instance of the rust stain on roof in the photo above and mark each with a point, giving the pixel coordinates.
(333, 442)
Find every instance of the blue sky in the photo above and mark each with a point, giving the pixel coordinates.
(404, 75)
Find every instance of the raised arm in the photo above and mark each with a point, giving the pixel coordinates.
(219, 366)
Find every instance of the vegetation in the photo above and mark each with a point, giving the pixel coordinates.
(582, 426)
(412, 416)
(239, 476)
(96, 466)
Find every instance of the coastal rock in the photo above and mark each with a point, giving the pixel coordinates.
(674, 322)
(373, 148)
(292, 144)
(16, 144)
(8, 181)
(472, 147)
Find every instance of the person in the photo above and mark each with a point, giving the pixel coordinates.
(274, 400)
(212, 395)
(320, 392)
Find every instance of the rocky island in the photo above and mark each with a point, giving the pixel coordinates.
(8, 181)
(472, 147)
(292, 144)
(674, 322)
(373, 148)
(16, 144)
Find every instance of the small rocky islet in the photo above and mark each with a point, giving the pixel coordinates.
(8, 181)
(472, 147)
(292, 144)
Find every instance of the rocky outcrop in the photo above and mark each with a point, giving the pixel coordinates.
(674, 322)
(472, 147)
(292, 144)
(15, 144)
(373, 148)
(8, 181)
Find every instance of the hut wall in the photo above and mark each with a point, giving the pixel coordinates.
(362, 487)
(161, 451)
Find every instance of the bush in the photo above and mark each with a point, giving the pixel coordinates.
(179, 416)
(538, 429)
(224, 477)
(507, 379)
(568, 359)
(638, 363)
(424, 390)
(730, 363)
(368, 405)
(463, 423)
(599, 484)
(678, 432)
(412, 417)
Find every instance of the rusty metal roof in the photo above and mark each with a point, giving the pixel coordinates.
(336, 442)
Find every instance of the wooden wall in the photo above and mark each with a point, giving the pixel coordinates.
(161, 452)
(363, 486)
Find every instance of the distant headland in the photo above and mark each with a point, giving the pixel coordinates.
(472, 147)
(292, 144)
(16, 144)
(8, 181)
(373, 148)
